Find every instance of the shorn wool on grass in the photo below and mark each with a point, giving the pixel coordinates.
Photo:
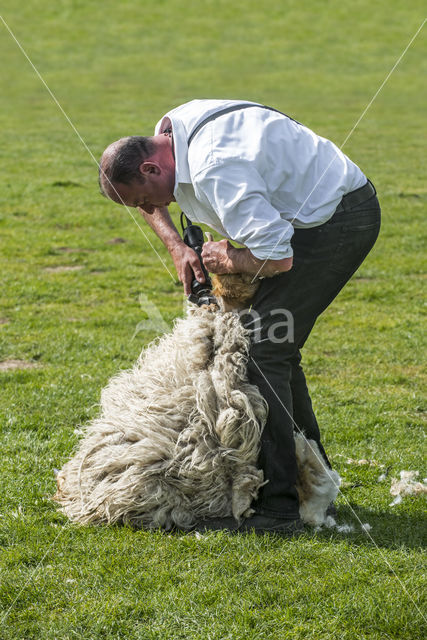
(178, 437)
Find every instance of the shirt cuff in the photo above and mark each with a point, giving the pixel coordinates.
(272, 253)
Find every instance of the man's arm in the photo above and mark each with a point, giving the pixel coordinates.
(185, 259)
(222, 257)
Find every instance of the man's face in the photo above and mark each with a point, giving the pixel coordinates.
(157, 183)
(155, 191)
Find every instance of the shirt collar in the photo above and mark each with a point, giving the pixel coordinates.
(182, 170)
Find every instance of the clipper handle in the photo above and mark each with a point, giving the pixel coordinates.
(201, 292)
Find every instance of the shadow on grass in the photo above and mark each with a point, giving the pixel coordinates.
(388, 530)
(396, 531)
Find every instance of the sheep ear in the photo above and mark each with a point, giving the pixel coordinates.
(209, 236)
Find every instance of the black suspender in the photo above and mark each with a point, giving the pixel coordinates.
(235, 107)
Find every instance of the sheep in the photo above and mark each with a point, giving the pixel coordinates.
(178, 437)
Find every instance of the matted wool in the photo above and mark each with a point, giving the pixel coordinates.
(178, 437)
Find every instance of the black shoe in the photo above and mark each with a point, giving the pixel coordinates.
(260, 524)
(257, 523)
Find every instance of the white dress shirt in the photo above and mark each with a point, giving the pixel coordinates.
(254, 174)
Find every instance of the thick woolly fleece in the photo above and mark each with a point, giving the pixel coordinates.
(178, 437)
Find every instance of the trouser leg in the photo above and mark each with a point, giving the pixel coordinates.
(303, 414)
(324, 260)
(272, 376)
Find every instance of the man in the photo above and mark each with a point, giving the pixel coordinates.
(306, 217)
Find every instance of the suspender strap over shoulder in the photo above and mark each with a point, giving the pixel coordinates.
(235, 107)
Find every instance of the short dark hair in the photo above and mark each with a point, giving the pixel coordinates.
(123, 167)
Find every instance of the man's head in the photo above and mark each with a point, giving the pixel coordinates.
(138, 171)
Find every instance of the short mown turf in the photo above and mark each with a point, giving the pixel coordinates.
(83, 291)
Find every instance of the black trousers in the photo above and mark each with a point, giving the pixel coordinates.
(283, 313)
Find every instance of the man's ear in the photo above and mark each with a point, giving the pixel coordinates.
(147, 168)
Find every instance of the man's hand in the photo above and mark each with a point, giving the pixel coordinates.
(185, 259)
(222, 257)
(187, 265)
(216, 256)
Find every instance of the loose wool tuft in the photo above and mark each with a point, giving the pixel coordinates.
(178, 437)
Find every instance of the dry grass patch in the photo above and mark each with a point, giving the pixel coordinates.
(116, 241)
(12, 364)
(63, 268)
(74, 250)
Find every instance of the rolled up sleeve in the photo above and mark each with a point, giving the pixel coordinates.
(238, 195)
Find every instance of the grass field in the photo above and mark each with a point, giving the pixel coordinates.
(70, 304)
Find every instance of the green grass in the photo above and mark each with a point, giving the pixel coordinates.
(116, 68)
